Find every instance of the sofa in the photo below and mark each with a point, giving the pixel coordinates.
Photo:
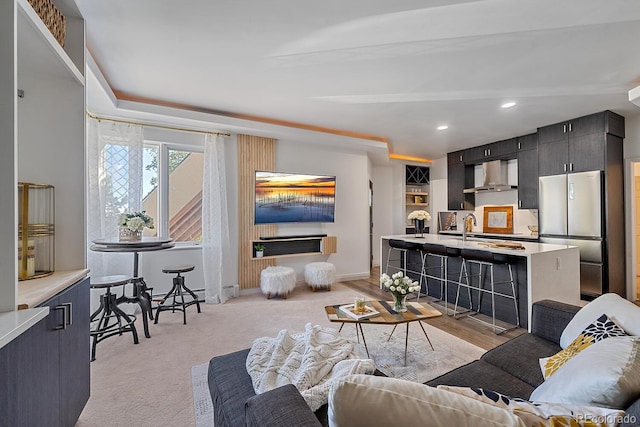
(512, 369)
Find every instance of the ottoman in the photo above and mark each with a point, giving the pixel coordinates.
(277, 280)
(320, 275)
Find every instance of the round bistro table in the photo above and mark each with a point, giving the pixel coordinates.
(140, 290)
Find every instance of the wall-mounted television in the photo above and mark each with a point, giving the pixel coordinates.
(293, 197)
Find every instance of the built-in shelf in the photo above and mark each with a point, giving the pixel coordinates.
(36, 39)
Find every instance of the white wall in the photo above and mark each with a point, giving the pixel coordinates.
(351, 226)
(383, 212)
(438, 196)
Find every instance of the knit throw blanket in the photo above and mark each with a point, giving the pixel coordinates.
(310, 360)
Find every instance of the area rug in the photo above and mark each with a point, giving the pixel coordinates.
(201, 398)
(423, 363)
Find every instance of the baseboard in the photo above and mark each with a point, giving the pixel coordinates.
(354, 276)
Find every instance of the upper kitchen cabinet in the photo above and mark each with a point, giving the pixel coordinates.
(42, 124)
(496, 150)
(459, 177)
(528, 171)
(578, 145)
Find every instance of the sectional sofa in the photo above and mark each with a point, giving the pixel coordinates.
(512, 369)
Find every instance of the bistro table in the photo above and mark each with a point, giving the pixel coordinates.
(140, 291)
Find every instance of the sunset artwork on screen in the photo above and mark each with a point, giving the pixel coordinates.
(289, 197)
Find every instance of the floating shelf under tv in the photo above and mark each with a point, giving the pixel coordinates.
(280, 248)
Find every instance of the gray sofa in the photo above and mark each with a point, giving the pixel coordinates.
(511, 369)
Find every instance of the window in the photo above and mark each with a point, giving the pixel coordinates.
(172, 190)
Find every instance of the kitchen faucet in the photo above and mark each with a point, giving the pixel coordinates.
(464, 224)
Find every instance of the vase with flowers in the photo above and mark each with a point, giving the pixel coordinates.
(131, 225)
(400, 287)
(419, 217)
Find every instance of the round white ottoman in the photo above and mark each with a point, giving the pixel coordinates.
(320, 275)
(277, 280)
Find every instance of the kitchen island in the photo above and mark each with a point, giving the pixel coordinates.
(542, 271)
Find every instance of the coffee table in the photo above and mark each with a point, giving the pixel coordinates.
(416, 311)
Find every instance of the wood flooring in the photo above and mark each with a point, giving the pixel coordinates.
(464, 328)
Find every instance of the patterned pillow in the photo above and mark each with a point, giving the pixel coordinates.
(601, 328)
(543, 414)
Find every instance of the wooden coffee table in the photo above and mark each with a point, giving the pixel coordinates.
(416, 311)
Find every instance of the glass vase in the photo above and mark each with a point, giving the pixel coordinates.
(399, 303)
(419, 226)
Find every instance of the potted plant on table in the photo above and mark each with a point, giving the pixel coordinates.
(400, 287)
(259, 247)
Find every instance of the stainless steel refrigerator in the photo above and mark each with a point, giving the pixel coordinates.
(571, 212)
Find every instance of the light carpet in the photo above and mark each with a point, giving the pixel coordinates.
(423, 363)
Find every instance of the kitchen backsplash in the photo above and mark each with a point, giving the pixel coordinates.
(521, 217)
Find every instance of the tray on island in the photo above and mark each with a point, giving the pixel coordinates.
(368, 312)
(504, 245)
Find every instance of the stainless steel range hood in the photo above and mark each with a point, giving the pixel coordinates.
(494, 178)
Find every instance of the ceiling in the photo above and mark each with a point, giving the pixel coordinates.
(396, 70)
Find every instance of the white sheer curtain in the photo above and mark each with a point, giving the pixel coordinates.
(115, 185)
(215, 221)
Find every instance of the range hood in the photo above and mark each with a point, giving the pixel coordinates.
(494, 178)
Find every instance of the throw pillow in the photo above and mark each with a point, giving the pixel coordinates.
(625, 313)
(605, 374)
(366, 400)
(601, 328)
(543, 414)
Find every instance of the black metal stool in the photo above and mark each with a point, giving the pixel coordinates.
(109, 310)
(178, 290)
(490, 259)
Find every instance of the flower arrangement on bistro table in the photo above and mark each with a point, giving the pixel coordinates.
(400, 286)
(135, 221)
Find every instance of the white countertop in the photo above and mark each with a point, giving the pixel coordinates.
(36, 291)
(14, 323)
(478, 243)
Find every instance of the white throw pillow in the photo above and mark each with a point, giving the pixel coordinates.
(366, 400)
(623, 312)
(605, 374)
(543, 414)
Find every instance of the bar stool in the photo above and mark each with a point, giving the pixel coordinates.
(440, 252)
(109, 310)
(177, 290)
(488, 259)
(402, 248)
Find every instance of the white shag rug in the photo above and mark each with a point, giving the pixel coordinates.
(422, 365)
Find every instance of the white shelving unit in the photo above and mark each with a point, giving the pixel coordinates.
(42, 129)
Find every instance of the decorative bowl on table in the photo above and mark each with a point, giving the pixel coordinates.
(533, 229)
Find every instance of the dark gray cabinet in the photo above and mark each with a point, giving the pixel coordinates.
(528, 171)
(46, 369)
(505, 149)
(577, 145)
(459, 177)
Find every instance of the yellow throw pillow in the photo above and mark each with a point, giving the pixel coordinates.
(603, 327)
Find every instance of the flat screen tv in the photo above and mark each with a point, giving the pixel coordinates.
(293, 197)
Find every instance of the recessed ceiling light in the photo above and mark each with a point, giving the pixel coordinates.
(443, 127)
(508, 105)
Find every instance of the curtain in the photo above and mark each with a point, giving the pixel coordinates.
(115, 163)
(215, 221)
